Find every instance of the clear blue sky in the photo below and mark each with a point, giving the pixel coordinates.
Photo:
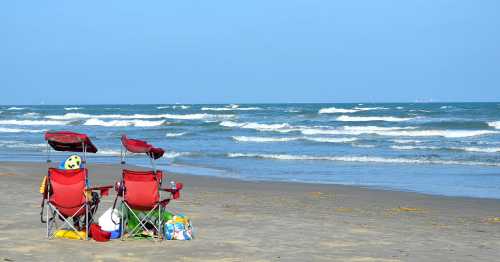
(64, 52)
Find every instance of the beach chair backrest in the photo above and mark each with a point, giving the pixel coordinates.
(141, 188)
(67, 189)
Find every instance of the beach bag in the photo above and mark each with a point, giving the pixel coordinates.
(110, 220)
(178, 228)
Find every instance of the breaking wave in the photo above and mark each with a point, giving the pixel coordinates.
(359, 159)
(258, 139)
(32, 122)
(495, 124)
(15, 108)
(230, 108)
(372, 118)
(72, 108)
(17, 130)
(121, 123)
(72, 116)
(175, 134)
(257, 126)
(333, 110)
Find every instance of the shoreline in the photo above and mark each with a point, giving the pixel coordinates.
(239, 220)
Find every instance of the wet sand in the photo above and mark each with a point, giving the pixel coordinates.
(266, 221)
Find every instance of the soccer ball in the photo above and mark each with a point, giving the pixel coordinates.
(72, 162)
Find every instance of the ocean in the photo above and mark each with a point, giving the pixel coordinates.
(450, 149)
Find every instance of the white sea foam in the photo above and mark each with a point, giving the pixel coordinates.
(333, 110)
(119, 123)
(25, 145)
(390, 131)
(181, 107)
(72, 108)
(359, 159)
(15, 108)
(370, 108)
(173, 154)
(17, 130)
(31, 114)
(372, 118)
(406, 141)
(331, 139)
(415, 147)
(257, 139)
(72, 116)
(175, 134)
(495, 124)
(162, 107)
(230, 108)
(32, 122)
(257, 126)
(479, 149)
(109, 152)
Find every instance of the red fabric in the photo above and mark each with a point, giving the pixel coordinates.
(67, 190)
(141, 146)
(98, 234)
(141, 189)
(69, 141)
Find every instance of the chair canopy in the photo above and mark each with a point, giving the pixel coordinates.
(69, 141)
(141, 146)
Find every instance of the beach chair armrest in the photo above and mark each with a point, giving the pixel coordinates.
(103, 190)
(176, 193)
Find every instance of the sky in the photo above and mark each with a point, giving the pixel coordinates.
(107, 52)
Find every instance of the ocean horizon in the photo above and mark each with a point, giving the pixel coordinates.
(443, 148)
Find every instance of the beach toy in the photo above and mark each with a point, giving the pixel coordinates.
(72, 162)
(43, 185)
(70, 234)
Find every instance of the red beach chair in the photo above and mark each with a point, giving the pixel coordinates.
(141, 190)
(67, 195)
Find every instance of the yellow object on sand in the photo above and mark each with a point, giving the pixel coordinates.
(43, 185)
(70, 234)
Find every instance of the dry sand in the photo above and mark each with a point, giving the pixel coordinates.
(263, 221)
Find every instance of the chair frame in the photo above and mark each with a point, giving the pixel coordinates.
(51, 221)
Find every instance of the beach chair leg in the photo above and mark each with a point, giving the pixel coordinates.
(47, 219)
(122, 222)
(87, 221)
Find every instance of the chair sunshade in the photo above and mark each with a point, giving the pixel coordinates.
(69, 141)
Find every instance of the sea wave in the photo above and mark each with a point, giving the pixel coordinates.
(121, 123)
(359, 159)
(32, 122)
(403, 132)
(406, 141)
(230, 108)
(31, 114)
(495, 124)
(15, 108)
(175, 134)
(479, 149)
(162, 107)
(72, 116)
(256, 126)
(72, 108)
(181, 107)
(18, 130)
(415, 147)
(372, 118)
(333, 110)
(173, 154)
(257, 139)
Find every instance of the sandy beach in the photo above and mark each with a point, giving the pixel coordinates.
(266, 221)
